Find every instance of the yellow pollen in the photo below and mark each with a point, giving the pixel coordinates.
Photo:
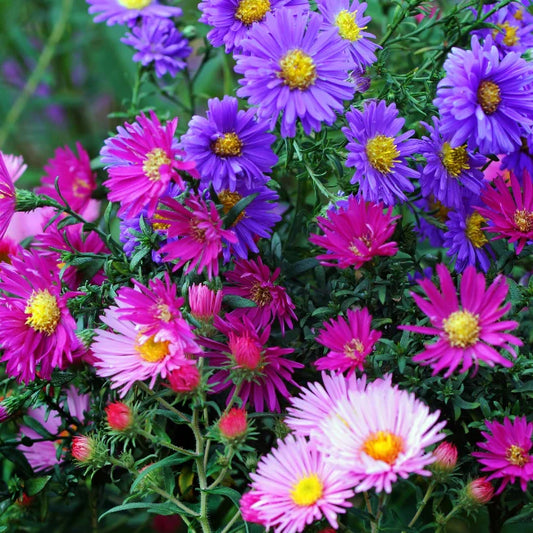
(298, 70)
(153, 351)
(163, 313)
(516, 456)
(250, 11)
(135, 4)
(382, 153)
(454, 159)
(348, 28)
(153, 162)
(230, 199)
(43, 311)
(474, 233)
(160, 226)
(307, 491)
(260, 295)
(519, 15)
(439, 211)
(510, 38)
(197, 233)
(462, 329)
(81, 188)
(383, 446)
(523, 220)
(229, 145)
(488, 96)
(354, 349)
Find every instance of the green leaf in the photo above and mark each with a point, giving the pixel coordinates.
(237, 209)
(168, 461)
(37, 427)
(67, 221)
(302, 266)
(35, 485)
(157, 508)
(231, 494)
(238, 301)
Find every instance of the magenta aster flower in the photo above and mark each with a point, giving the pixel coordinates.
(378, 153)
(484, 101)
(37, 328)
(290, 66)
(507, 452)
(141, 161)
(127, 11)
(469, 331)
(204, 302)
(261, 371)
(379, 434)
(230, 145)
(355, 234)
(7, 197)
(197, 230)
(295, 486)
(509, 210)
(349, 341)
(253, 280)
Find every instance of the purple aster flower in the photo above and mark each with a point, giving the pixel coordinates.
(127, 11)
(232, 19)
(158, 41)
(229, 145)
(484, 100)
(449, 171)
(522, 158)
(466, 240)
(290, 66)
(349, 20)
(378, 154)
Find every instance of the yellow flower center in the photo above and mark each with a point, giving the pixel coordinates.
(228, 145)
(160, 226)
(153, 162)
(516, 456)
(298, 70)
(43, 311)
(383, 446)
(382, 153)
(523, 220)
(81, 188)
(354, 349)
(250, 11)
(454, 159)
(135, 4)
(439, 210)
(153, 351)
(260, 295)
(196, 232)
(474, 233)
(519, 15)
(230, 199)
(462, 329)
(488, 96)
(307, 491)
(348, 28)
(163, 313)
(510, 38)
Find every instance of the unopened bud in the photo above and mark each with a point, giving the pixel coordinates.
(119, 416)
(205, 303)
(82, 448)
(184, 379)
(234, 424)
(479, 491)
(445, 459)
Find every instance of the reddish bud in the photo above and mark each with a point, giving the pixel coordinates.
(82, 448)
(480, 491)
(25, 500)
(184, 379)
(233, 424)
(445, 457)
(119, 416)
(245, 351)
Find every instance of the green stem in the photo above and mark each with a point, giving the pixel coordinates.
(202, 478)
(399, 16)
(168, 445)
(423, 504)
(42, 64)
(163, 402)
(232, 399)
(231, 522)
(222, 473)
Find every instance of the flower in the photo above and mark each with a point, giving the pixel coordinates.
(75, 179)
(37, 327)
(510, 210)
(232, 20)
(119, 416)
(205, 303)
(253, 280)
(184, 379)
(349, 341)
(506, 454)
(290, 66)
(379, 434)
(198, 233)
(295, 486)
(449, 172)
(247, 512)
(480, 491)
(229, 146)
(378, 153)
(128, 11)
(141, 161)
(159, 42)
(347, 16)
(520, 160)
(484, 101)
(467, 332)
(14, 164)
(234, 424)
(355, 234)
(124, 354)
(4, 413)
(7, 197)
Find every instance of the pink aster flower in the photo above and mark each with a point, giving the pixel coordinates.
(205, 303)
(260, 371)
(379, 434)
(467, 331)
(124, 354)
(507, 452)
(254, 280)
(195, 234)
(7, 197)
(37, 328)
(355, 233)
(349, 341)
(141, 161)
(295, 486)
(75, 179)
(510, 210)
(15, 165)
(248, 514)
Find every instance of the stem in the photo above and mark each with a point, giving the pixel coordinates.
(168, 445)
(223, 472)
(202, 478)
(368, 503)
(42, 63)
(398, 19)
(231, 522)
(236, 391)
(174, 500)
(163, 402)
(424, 502)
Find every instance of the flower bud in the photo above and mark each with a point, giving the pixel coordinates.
(24, 500)
(233, 425)
(82, 448)
(184, 379)
(4, 413)
(445, 458)
(249, 514)
(119, 416)
(205, 303)
(479, 491)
